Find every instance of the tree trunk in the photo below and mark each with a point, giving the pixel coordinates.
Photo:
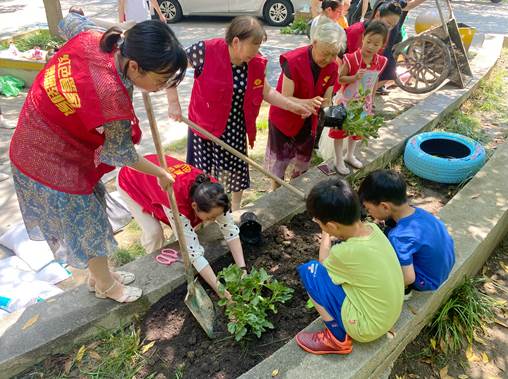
(54, 15)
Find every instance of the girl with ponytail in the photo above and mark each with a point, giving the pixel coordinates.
(77, 124)
(200, 199)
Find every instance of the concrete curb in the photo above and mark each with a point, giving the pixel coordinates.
(77, 315)
(473, 243)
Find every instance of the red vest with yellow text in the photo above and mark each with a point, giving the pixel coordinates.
(145, 190)
(301, 74)
(212, 92)
(57, 141)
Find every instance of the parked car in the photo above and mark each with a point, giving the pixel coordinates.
(274, 12)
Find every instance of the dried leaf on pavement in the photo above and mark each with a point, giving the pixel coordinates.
(30, 322)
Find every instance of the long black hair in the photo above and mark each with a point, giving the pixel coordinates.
(154, 47)
(385, 8)
(208, 195)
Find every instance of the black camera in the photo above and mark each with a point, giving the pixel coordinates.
(332, 117)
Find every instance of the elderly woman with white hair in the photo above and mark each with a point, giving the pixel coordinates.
(308, 76)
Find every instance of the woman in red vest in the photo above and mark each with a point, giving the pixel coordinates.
(229, 86)
(308, 73)
(77, 124)
(388, 12)
(199, 199)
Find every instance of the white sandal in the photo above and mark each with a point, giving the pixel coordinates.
(355, 162)
(343, 171)
(130, 294)
(125, 277)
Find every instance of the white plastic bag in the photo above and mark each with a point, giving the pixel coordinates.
(325, 147)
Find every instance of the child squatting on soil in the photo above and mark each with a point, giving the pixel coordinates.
(356, 286)
(424, 247)
(359, 71)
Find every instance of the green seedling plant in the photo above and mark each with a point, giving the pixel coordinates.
(253, 296)
(299, 26)
(358, 121)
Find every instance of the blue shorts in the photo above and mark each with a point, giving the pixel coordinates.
(420, 284)
(322, 290)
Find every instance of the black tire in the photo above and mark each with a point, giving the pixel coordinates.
(171, 9)
(496, 1)
(278, 12)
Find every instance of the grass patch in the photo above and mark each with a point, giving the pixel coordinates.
(462, 318)
(133, 226)
(465, 124)
(42, 39)
(490, 95)
(117, 354)
(179, 146)
(262, 124)
(125, 255)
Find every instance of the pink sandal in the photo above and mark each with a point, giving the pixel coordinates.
(168, 257)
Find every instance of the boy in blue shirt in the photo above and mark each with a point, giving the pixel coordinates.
(423, 245)
(356, 286)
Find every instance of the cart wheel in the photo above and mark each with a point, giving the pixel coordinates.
(423, 63)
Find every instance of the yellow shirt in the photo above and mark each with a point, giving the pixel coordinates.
(342, 21)
(370, 274)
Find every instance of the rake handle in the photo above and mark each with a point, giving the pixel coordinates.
(172, 200)
(243, 157)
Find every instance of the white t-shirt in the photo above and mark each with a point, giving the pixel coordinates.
(136, 10)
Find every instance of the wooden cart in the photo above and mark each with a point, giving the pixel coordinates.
(426, 60)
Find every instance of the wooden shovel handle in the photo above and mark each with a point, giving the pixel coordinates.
(244, 158)
(174, 207)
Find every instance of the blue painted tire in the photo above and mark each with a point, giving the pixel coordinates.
(444, 157)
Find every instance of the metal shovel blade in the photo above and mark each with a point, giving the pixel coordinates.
(201, 306)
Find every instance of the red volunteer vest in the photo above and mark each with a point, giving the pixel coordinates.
(355, 62)
(56, 141)
(145, 190)
(301, 74)
(354, 36)
(212, 92)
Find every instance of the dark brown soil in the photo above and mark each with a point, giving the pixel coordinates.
(183, 347)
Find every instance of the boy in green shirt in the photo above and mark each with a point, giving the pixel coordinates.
(357, 286)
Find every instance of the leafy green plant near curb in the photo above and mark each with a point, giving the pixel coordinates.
(299, 26)
(358, 122)
(462, 317)
(252, 296)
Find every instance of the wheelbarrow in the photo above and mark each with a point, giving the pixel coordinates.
(426, 60)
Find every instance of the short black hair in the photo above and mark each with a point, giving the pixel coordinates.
(334, 200)
(376, 27)
(383, 186)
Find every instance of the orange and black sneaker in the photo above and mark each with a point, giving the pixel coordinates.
(323, 342)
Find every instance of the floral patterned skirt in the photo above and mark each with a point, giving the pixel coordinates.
(76, 227)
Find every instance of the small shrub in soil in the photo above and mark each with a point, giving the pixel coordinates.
(181, 343)
(252, 296)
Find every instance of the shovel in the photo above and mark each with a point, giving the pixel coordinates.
(244, 158)
(197, 300)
